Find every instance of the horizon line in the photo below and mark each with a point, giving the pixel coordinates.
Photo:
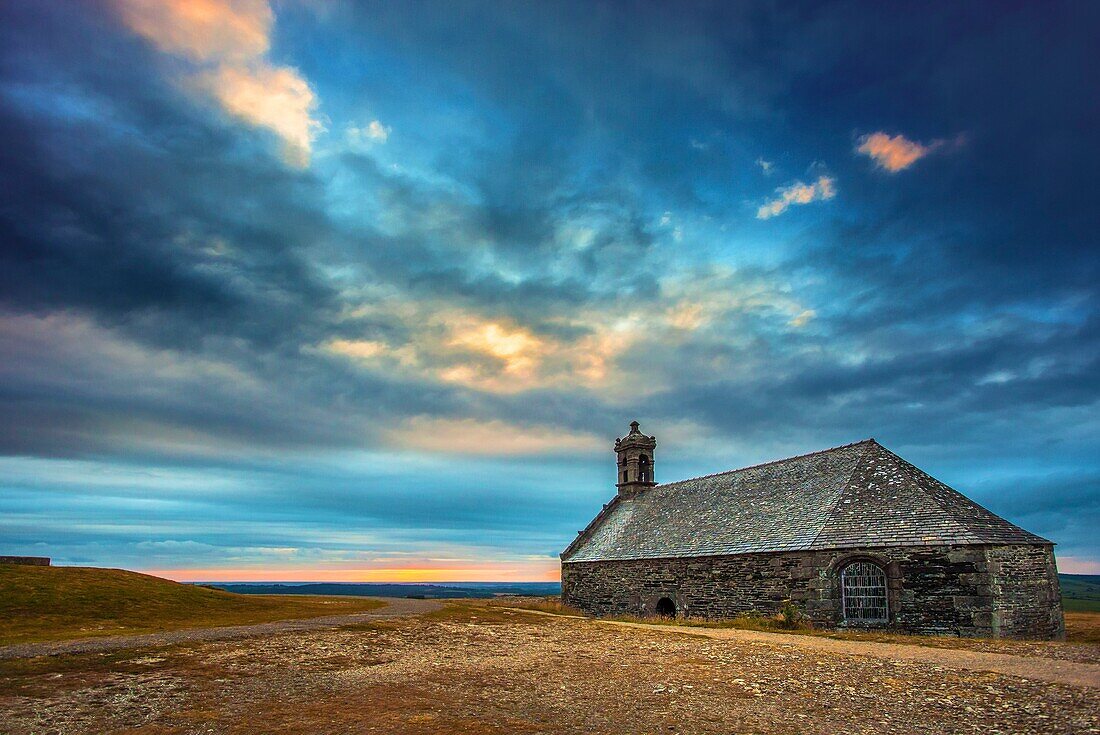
(404, 584)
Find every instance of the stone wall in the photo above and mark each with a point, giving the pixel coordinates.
(31, 561)
(1009, 591)
(1027, 598)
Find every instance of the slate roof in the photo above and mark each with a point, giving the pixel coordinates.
(857, 495)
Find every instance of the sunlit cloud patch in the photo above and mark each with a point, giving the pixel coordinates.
(798, 193)
(897, 153)
(229, 41)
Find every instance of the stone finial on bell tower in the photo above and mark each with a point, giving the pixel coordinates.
(634, 454)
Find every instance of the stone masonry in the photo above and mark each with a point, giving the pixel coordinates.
(29, 561)
(1002, 591)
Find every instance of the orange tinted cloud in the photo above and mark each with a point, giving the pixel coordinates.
(892, 153)
(517, 349)
(470, 436)
(494, 355)
(439, 343)
(798, 193)
(202, 30)
(361, 349)
(897, 153)
(228, 40)
(275, 98)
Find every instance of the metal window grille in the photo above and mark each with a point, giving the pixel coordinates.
(863, 589)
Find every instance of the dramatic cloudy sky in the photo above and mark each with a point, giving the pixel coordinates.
(311, 290)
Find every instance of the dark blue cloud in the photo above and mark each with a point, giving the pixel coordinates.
(583, 180)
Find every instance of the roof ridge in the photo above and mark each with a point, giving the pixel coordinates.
(962, 521)
(840, 496)
(908, 467)
(912, 484)
(870, 440)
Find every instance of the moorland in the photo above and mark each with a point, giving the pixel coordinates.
(491, 666)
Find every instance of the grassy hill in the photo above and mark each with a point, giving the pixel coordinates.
(52, 603)
(1080, 592)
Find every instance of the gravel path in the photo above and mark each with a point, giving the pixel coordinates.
(1028, 667)
(396, 607)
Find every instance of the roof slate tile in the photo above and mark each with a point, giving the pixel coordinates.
(857, 495)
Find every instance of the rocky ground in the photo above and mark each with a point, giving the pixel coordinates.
(477, 669)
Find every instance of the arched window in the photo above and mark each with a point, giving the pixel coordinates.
(624, 476)
(643, 468)
(863, 593)
(666, 608)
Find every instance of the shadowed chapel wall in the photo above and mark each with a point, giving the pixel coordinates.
(974, 591)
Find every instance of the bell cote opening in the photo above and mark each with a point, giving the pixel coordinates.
(634, 456)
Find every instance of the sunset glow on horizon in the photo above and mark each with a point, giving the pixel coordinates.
(533, 572)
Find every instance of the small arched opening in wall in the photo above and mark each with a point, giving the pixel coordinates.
(666, 608)
(864, 593)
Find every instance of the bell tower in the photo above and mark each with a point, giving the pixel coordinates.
(634, 454)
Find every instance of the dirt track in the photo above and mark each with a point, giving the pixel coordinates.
(396, 607)
(1028, 667)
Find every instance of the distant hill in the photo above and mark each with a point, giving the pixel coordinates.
(374, 589)
(1080, 591)
(53, 603)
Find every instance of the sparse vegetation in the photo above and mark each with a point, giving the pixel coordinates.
(542, 604)
(57, 603)
(776, 623)
(1083, 627)
(791, 616)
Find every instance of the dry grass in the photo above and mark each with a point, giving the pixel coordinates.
(542, 604)
(555, 606)
(742, 622)
(482, 612)
(58, 603)
(1083, 627)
